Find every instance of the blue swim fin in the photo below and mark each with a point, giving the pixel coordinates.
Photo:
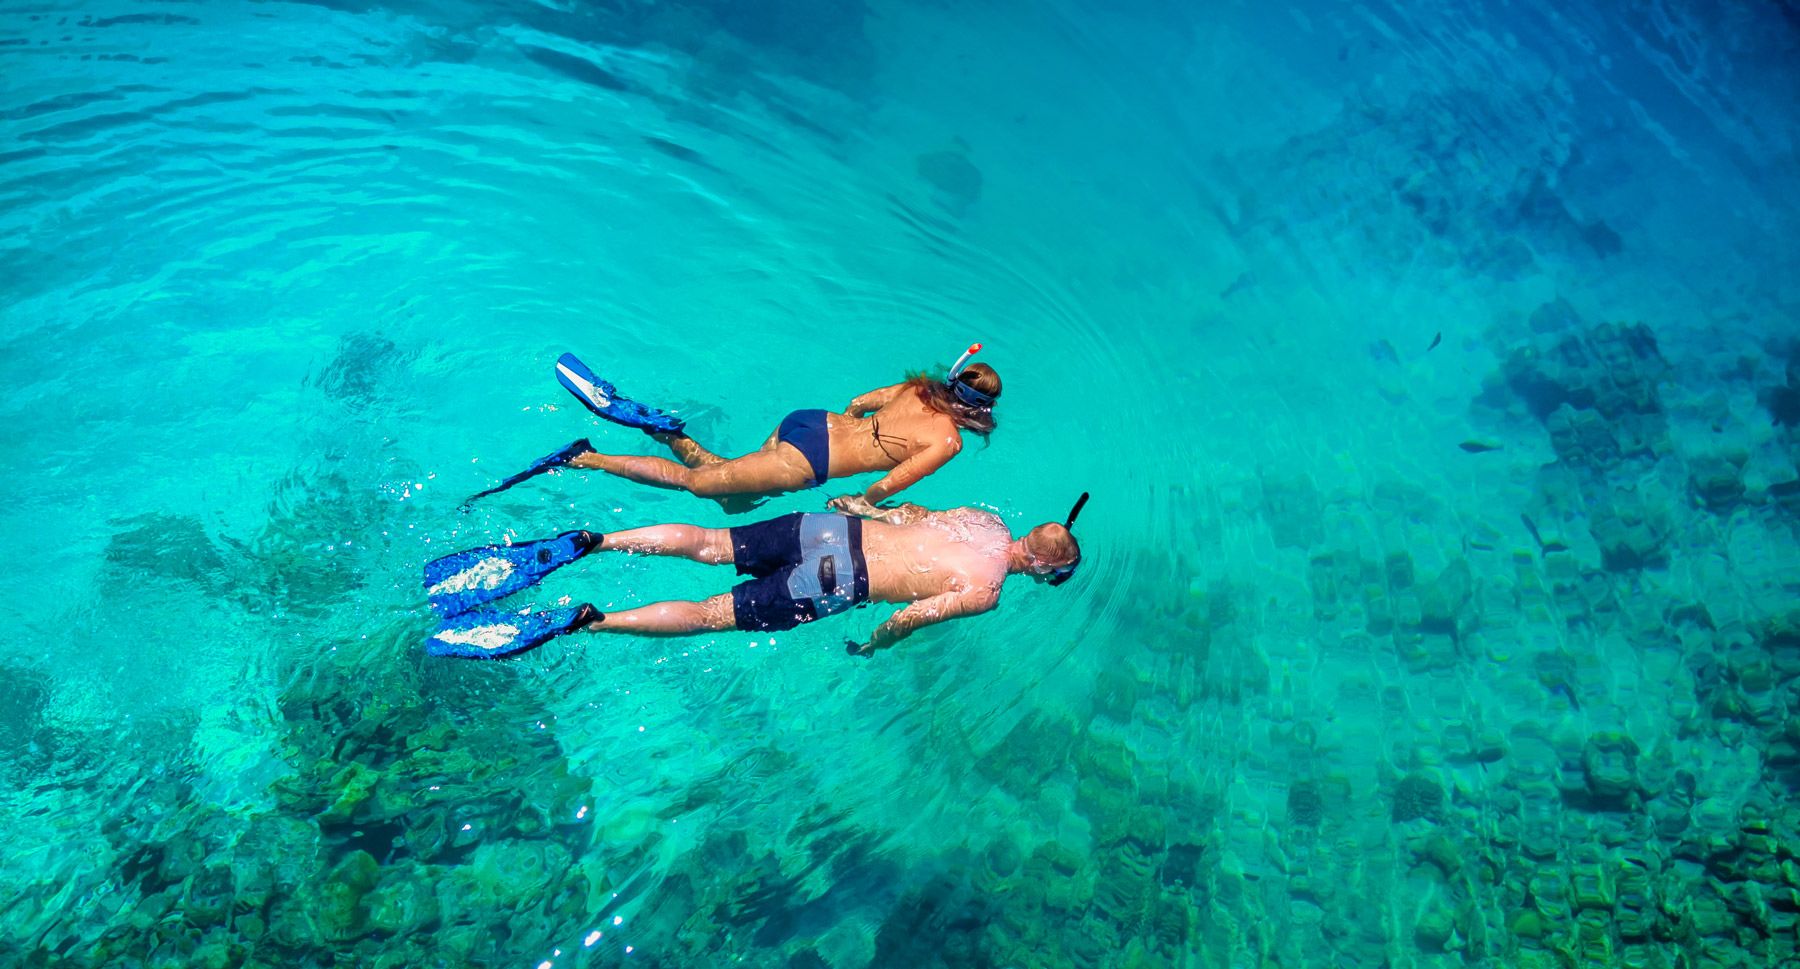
(549, 462)
(601, 398)
(493, 634)
(461, 581)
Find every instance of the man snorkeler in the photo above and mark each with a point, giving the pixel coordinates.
(802, 567)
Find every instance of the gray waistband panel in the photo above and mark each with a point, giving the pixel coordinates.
(827, 572)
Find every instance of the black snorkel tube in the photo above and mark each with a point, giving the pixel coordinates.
(963, 391)
(1067, 572)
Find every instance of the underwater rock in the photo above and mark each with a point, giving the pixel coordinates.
(1783, 400)
(1593, 938)
(336, 903)
(510, 873)
(1116, 693)
(1305, 805)
(1438, 851)
(1294, 511)
(24, 696)
(1609, 769)
(1716, 483)
(1106, 760)
(1556, 316)
(1002, 858)
(1637, 908)
(1582, 437)
(363, 370)
(1181, 866)
(1443, 603)
(1321, 579)
(209, 896)
(1399, 569)
(404, 903)
(1435, 930)
(1029, 753)
(168, 546)
(1597, 390)
(1124, 885)
(1417, 796)
(1779, 639)
(354, 785)
(1378, 611)
(1631, 534)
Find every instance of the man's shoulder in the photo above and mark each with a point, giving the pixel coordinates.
(977, 516)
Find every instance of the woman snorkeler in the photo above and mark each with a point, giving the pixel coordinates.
(908, 430)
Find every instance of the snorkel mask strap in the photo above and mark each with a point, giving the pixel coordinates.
(965, 393)
(1067, 572)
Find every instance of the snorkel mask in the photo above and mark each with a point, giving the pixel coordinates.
(1067, 572)
(965, 393)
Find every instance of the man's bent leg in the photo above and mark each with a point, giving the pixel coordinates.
(709, 545)
(670, 618)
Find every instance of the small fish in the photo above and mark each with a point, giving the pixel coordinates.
(1563, 690)
(1435, 340)
(1478, 447)
(1244, 281)
(1546, 547)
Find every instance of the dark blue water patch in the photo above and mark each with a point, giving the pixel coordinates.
(215, 97)
(124, 20)
(576, 68)
(23, 154)
(954, 177)
(85, 127)
(81, 99)
(677, 151)
(1782, 399)
(315, 111)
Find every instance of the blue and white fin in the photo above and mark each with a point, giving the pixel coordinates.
(493, 634)
(464, 580)
(605, 401)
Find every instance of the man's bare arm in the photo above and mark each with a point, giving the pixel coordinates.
(906, 513)
(925, 612)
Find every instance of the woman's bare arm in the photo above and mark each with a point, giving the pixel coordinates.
(909, 472)
(872, 401)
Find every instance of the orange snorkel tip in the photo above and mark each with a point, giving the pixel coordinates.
(963, 360)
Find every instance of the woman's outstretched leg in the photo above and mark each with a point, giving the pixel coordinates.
(670, 618)
(757, 473)
(689, 451)
(660, 472)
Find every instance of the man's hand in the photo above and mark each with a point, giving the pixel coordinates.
(854, 648)
(854, 505)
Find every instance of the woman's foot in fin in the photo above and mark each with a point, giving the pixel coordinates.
(561, 458)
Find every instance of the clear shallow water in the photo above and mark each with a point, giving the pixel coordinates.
(283, 282)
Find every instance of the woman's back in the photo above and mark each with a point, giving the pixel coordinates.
(901, 428)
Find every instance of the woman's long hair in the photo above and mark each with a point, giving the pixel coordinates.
(938, 396)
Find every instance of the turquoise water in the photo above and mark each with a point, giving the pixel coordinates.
(1433, 370)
